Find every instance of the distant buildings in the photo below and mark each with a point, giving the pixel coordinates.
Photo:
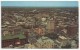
(22, 26)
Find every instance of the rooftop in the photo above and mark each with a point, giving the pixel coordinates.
(10, 36)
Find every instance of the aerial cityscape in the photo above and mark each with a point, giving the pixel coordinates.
(39, 27)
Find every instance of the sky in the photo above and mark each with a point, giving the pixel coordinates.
(39, 3)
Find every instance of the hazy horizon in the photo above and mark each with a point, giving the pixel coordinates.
(39, 3)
